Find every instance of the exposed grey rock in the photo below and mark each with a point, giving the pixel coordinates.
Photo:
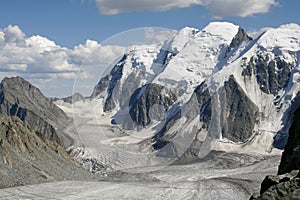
(287, 190)
(143, 99)
(240, 113)
(25, 158)
(108, 83)
(199, 104)
(20, 98)
(101, 86)
(240, 37)
(130, 84)
(272, 75)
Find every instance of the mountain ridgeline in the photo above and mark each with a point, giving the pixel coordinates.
(31, 143)
(215, 84)
(20, 98)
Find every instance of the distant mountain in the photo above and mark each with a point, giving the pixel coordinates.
(70, 99)
(217, 86)
(20, 98)
(28, 159)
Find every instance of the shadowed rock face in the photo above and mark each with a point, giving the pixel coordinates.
(272, 75)
(290, 159)
(143, 99)
(240, 113)
(20, 98)
(108, 83)
(240, 37)
(199, 104)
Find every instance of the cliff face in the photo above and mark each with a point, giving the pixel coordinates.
(20, 98)
(290, 159)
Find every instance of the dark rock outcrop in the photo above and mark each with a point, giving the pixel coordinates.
(290, 159)
(289, 190)
(199, 104)
(144, 99)
(272, 75)
(240, 37)
(279, 189)
(108, 83)
(286, 185)
(19, 98)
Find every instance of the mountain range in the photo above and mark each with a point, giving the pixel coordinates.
(217, 86)
(200, 91)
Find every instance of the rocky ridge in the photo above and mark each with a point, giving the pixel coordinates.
(20, 98)
(26, 158)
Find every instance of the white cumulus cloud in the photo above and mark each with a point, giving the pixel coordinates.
(237, 8)
(157, 35)
(44, 63)
(117, 6)
(218, 8)
(39, 57)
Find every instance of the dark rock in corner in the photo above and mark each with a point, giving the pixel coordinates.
(278, 187)
(288, 190)
(286, 185)
(268, 182)
(290, 159)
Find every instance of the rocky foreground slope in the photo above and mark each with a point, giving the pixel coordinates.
(20, 98)
(26, 158)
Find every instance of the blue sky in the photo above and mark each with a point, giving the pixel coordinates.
(69, 23)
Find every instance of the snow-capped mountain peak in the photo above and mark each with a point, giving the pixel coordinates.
(215, 82)
(223, 30)
(181, 38)
(286, 37)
